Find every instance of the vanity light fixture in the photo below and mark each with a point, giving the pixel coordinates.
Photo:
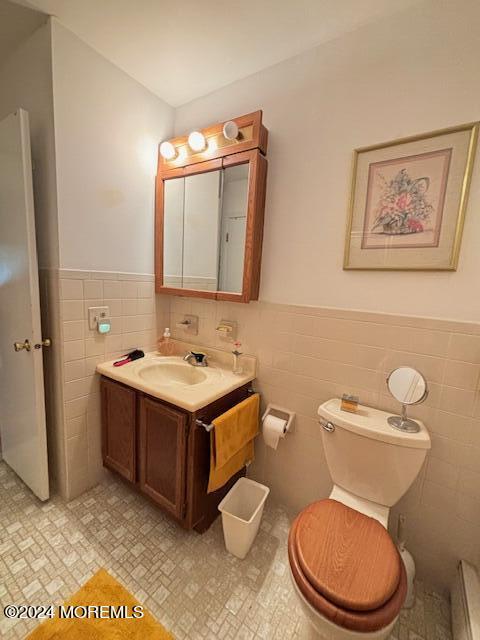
(197, 141)
(168, 151)
(230, 130)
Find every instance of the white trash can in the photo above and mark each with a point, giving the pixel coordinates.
(241, 511)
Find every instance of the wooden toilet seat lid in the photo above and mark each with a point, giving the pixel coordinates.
(346, 556)
(359, 621)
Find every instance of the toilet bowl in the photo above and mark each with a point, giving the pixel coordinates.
(345, 568)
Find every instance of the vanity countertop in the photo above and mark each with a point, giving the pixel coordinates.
(171, 379)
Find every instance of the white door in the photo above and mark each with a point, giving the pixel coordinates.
(232, 254)
(22, 402)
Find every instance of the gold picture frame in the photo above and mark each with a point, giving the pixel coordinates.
(408, 200)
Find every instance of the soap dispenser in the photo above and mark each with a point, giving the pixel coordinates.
(165, 345)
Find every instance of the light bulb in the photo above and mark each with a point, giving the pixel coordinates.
(230, 130)
(167, 150)
(196, 141)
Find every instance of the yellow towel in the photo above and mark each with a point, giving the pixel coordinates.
(231, 441)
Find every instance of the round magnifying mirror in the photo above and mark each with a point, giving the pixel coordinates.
(408, 386)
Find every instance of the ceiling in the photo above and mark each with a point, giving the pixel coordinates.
(186, 49)
(16, 23)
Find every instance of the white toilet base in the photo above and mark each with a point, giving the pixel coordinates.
(378, 511)
(327, 630)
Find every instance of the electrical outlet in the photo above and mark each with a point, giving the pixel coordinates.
(95, 314)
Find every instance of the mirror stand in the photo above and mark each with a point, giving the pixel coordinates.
(408, 386)
(403, 422)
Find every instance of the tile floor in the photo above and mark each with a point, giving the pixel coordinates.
(188, 581)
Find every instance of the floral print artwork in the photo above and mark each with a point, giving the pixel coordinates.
(403, 207)
(405, 200)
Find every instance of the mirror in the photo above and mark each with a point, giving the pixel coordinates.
(174, 193)
(205, 221)
(408, 386)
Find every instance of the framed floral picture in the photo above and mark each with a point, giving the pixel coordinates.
(408, 201)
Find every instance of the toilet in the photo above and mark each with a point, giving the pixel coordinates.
(345, 568)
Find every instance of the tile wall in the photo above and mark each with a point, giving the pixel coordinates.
(307, 355)
(73, 399)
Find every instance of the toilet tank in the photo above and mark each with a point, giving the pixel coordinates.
(368, 457)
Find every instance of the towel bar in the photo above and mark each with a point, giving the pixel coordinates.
(205, 425)
(209, 426)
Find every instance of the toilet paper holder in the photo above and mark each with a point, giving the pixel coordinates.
(282, 413)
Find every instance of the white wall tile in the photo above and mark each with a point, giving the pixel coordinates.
(146, 306)
(113, 343)
(306, 355)
(129, 289)
(469, 483)
(93, 289)
(72, 310)
(112, 289)
(75, 408)
(462, 374)
(94, 346)
(442, 473)
(76, 426)
(73, 330)
(73, 350)
(129, 307)
(465, 347)
(114, 306)
(145, 289)
(74, 370)
(71, 289)
(91, 364)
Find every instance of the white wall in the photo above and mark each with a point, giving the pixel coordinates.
(26, 81)
(414, 72)
(107, 131)
(174, 198)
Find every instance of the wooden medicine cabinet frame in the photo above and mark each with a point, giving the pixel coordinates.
(249, 148)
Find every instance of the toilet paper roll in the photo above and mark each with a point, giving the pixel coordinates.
(273, 429)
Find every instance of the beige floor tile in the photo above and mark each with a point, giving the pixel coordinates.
(188, 581)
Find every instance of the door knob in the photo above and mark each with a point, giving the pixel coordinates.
(20, 346)
(44, 343)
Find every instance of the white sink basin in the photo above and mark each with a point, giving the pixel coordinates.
(171, 373)
(172, 379)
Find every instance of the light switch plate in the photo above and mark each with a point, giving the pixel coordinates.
(95, 314)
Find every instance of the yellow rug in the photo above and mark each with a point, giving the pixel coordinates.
(102, 589)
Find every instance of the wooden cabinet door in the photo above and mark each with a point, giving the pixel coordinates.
(118, 428)
(162, 459)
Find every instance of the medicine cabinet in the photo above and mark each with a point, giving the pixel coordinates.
(209, 213)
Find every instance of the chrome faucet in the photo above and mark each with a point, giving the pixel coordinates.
(196, 359)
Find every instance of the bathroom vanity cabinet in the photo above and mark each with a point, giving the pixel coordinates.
(162, 451)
